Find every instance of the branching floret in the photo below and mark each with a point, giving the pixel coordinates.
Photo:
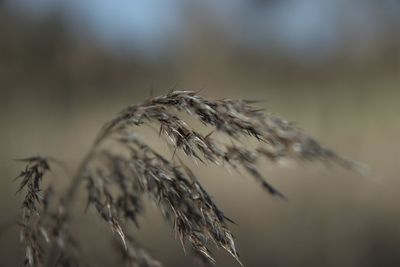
(117, 180)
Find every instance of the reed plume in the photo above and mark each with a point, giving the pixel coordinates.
(118, 179)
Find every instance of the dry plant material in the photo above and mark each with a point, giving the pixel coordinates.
(118, 179)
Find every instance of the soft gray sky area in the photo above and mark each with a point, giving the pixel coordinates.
(314, 29)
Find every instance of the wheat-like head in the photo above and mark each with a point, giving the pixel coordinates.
(118, 179)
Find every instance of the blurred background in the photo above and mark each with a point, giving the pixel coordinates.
(331, 66)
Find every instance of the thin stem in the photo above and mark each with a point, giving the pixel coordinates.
(76, 181)
(68, 199)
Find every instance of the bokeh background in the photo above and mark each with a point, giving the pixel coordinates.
(332, 66)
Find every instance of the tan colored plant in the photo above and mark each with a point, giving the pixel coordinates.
(117, 179)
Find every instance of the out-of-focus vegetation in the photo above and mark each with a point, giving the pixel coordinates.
(57, 90)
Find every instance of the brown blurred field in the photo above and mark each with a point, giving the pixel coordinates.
(56, 92)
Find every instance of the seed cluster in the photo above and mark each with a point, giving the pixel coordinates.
(118, 177)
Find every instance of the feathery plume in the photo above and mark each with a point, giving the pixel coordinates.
(117, 180)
